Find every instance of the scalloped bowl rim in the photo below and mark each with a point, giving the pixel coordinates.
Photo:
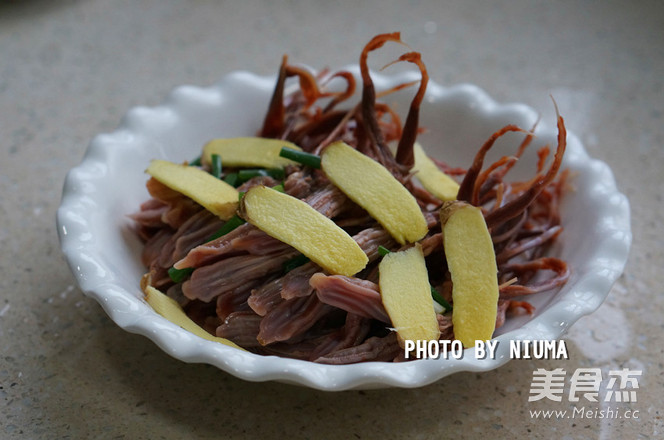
(96, 253)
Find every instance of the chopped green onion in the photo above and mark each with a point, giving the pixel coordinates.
(383, 251)
(231, 224)
(179, 275)
(434, 293)
(279, 188)
(307, 159)
(440, 300)
(240, 194)
(216, 166)
(244, 175)
(231, 179)
(295, 262)
(196, 162)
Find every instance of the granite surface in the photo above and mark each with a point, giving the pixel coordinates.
(71, 69)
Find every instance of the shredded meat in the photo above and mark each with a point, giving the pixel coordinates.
(291, 318)
(210, 281)
(373, 349)
(262, 294)
(354, 295)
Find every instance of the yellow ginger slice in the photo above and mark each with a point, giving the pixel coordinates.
(249, 152)
(406, 295)
(294, 222)
(374, 188)
(214, 194)
(171, 310)
(471, 260)
(432, 178)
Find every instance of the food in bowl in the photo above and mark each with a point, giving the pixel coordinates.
(331, 236)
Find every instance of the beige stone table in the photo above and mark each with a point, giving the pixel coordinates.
(71, 69)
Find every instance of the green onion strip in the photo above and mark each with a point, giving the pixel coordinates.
(179, 275)
(307, 159)
(216, 166)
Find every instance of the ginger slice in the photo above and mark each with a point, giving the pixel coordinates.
(432, 178)
(214, 194)
(171, 310)
(374, 188)
(406, 295)
(294, 222)
(249, 152)
(471, 261)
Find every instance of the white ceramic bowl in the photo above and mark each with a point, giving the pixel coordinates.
(103, 252)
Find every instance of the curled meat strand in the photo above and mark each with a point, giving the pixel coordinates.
(467, 186)
(274, 122)
(343, 95)
(505, 162)
(377, 146)
(405, 153)
(558, 266)
(506, 306)
(528, 243)
(509, 230)
(514, 207)
(498, 175)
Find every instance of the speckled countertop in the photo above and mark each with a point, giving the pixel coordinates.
(71, 69)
